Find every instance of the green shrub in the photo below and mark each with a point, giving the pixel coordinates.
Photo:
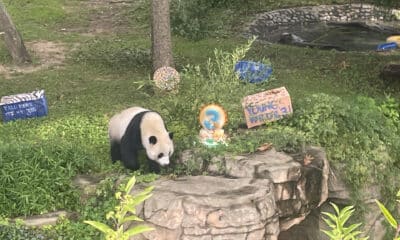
(356, 134)
(197, 19)
(39, 159)
(391, 109)
(16, 231)
(188, 18)
(215, 83)
(124, 212)
(338, 224)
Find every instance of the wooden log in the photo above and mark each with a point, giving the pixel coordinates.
(12, 38)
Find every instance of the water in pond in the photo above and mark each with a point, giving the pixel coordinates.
(340, 36)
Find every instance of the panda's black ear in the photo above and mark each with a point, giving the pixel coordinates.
(171, 135)
(152, 140)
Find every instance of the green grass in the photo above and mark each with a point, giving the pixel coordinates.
(336, 97)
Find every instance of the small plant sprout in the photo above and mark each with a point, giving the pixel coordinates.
(337, 223)
(123, 213)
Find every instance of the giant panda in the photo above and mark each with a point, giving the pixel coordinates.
(137, 128)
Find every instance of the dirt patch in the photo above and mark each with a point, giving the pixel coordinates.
(104, 17)
(46, 54)
(107, 16)
(49, 53)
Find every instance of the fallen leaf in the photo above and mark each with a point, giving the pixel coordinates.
(264, 147)
(308, 159)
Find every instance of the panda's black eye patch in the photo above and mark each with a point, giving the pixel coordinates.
(152, 140)
(171, 135)
(160, 155)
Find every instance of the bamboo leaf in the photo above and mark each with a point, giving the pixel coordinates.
(346, 214)
(331, 216)
(387, 214)
(131, 218)
(146, 191)
(329, 223)
(136, 200)
(100, 226)
(350, 229)
(330, 235)
(336, 208)
(137, 230)
(130, 184)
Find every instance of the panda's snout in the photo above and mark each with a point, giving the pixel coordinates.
(163, 160)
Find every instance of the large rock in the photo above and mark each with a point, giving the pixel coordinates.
(254, 197)
(204, 207)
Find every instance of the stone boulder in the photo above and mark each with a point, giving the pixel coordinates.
(205, 207)
(252, 197)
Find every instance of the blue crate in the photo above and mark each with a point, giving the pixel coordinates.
(387, 46)
(24, 109)
(253, 72)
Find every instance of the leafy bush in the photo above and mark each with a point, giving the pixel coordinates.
(216, 83)
(127, 205)
(391, 109)
(337, 223)
(195, 19)
(17, 231)
(357, 135)
(38, 161)
(187, 18)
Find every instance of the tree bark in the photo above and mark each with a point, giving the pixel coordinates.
(12, 38)
(161, 35)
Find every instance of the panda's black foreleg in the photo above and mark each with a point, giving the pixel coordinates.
(129, 158)
(115, 151)
(154, 166)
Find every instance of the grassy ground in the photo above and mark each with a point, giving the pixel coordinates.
(107, 68)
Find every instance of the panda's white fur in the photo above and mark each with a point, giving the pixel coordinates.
(136, 128)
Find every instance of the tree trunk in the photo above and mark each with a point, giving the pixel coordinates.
(12, 38)
(161, 35)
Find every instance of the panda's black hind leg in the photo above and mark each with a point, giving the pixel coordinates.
(115, 151)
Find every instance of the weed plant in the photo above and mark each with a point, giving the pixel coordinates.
(39, 160)
(360, 140)
(215, 83)
(339, 228)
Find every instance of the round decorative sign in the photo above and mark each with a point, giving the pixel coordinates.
(166, 78)
(212, 117)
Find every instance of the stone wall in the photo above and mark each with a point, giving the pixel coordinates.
(328, 13)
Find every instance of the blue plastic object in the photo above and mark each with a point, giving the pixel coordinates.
(253, 72)
(24, 109)
(387, 46)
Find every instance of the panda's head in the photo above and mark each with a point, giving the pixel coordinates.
(160, 149)
(156, 140)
